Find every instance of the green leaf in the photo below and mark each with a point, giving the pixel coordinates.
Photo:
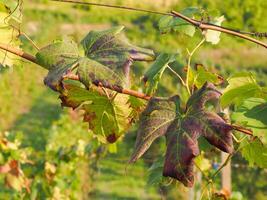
(108, 118)
(60, 58)
(14, 7)
(202, 162)
(253, 115)
(63, 53)
(90, 71)
(155, 172)
(111, 49)
(214, 36)
(200, 76)
(241, 86)
(154, 123)
(9, 24)
(154, 73)
(254, 152)
(169, 23)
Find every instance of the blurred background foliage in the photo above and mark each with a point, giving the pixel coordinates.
(70, 164)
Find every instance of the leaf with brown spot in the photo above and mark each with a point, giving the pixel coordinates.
(108, 117)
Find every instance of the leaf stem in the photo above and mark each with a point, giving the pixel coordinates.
(242, 129)
(113, 6)
(176, 74)
(222, 166)
(189, 64)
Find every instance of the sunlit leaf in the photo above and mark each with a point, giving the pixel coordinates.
(254, 152)
(214, 36)
(241, 86)
(107, 117)
(10, 20)
(154, 73)
(200, 76)
(253, 115)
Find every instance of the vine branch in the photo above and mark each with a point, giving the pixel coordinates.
(206, 26)
(196, 23)
(18, 52)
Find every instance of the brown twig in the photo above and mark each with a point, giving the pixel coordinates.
(242, 129)
(18, 52)
(113, 6)
(206, 26)
(114, 88)
(201, 25)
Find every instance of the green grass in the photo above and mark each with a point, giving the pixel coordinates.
(119, 181)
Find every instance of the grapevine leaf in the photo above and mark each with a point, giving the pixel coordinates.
(240, 87)
(182, 145)
(214, 36)
(155, 172)
(14, 8)
(107, 118)
(252, 113)
(60, 58)
(137, 105)
(154, 73)
(10, 19)
(200, 76)
(154, 123)
(111, 49)
(254, 152)
(169, 23)
(164, 117)
(63, 52)
(90, 71)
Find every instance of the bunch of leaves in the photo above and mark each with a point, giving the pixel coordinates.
(10, 20)
(250, 110)
(165, 117)
(107, 61)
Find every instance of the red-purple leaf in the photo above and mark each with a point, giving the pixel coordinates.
(154, 122)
